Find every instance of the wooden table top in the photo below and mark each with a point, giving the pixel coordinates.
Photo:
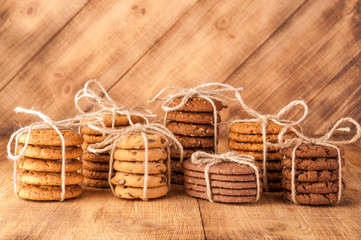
(97, 214)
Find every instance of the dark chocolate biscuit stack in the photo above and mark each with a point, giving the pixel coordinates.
(96, 166)
(230, 182)
(193, 126)
(316, 174)
(247, 138)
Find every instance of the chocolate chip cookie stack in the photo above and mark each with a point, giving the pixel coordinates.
(193, 126)
(130, 167)
(42, 165)
(96, 166)
(230, 182)
(247, 138)
(316, 174)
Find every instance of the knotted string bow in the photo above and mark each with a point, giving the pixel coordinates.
(200, 91)
(210, 160)
(323, 141)
(47, 123)
(116, 135)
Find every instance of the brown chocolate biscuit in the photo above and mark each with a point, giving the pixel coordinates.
(187, 152)
(257, 138)
(220, 184)
(256, 128)
(312, 151)
(254, 147)
(222, 191)
(176, 166)
(275, 176)
(47, 193)
(311, 176)
(49, 137)
(193, 130)
(96, 166)
(222, 177)
(193, 117)
(313, 163)
(176, 178)
(121, 120)
(195, 142)
(228, 168)
(259, 155)
(96, 157)
(40, 165)
(93, 138)
(221, 198)
(312, 198)
(312, 187)
(270, 165)
(95, 174)
(47, 178)
(197, 104)
(274, 186)
(90, 131)
(50, 152)
(95, 183)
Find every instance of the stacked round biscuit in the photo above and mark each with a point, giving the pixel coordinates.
(129, 165)
(193, 126)
(316, 174)
(247, 138)
(42, 165)
(96, 166)
(230, 182)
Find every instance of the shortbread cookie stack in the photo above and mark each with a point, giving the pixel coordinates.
(230, 182)
(193, 126)
(42, 165)
(129, 165)
(247, 138)
(316, 174)
(96, 166)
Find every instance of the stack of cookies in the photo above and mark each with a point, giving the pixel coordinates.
(316, 176)
(96, 166)
(230, 182)
(247, 138)
(130, 167)
(42, 165)
(193, 126)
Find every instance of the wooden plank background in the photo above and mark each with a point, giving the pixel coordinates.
(278, 51)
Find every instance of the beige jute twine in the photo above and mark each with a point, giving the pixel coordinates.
(323, 141)
(46, 124)
(276, 118)
(201, 91)
(210, 160)
(116, 135)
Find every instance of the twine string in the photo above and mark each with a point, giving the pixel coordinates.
(210, 160)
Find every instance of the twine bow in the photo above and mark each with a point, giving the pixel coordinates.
(106, 105)
(116, 135)
(47, 123)
(276, 118)
(200, 91)
(210, 160)
(323, 141)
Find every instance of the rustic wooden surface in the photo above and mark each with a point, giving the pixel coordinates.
(277, 50)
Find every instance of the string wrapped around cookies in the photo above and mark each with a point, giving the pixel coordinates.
(258, 137)
(226, 178)
(47, 152)
(137, 153)
(309, 174)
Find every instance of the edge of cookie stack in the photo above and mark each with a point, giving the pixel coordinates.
(96, 166)
(316, 174)
(230, 182)
(247, 138)
(129, 166)
(193, 126)
(42, 165)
